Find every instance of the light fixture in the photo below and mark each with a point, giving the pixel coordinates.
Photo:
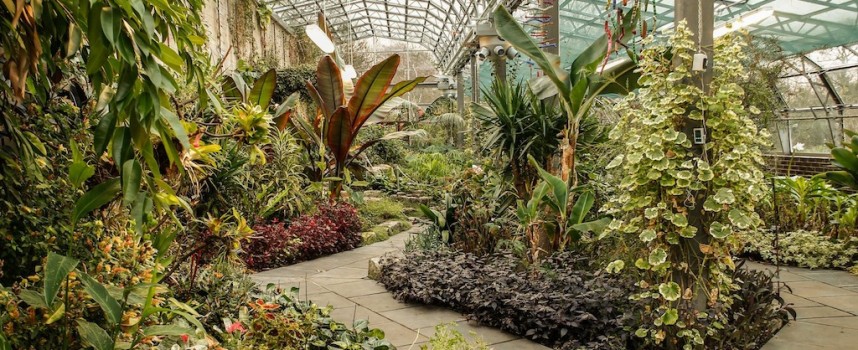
(511, 53)
(320, 38)
(499, 50)
(483, 53)
(349, 72)
(751, 17)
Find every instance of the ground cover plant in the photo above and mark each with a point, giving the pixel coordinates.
(558, 304)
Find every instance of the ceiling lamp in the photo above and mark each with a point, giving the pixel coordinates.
(320, 38)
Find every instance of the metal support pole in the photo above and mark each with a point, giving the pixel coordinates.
(475, 80)
(460, 93)
(500, 68)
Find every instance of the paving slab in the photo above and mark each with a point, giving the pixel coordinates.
(826, 304)
(423, 316)
(848, 303)
(806, 335)
(813, 289)
(380, 302)
(819, 311)
(520, 344)
(357, 288)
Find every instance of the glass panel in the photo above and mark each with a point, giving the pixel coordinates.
(845, 82)
(803, 91)
(810, 136)
(850, 124)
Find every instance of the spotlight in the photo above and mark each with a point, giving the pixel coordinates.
(511, 53)
(483, 53)
(499, 51)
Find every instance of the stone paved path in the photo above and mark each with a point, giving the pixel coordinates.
(340, 281)
(827, 304)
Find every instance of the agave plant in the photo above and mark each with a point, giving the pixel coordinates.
(517, 125)
(342, 110)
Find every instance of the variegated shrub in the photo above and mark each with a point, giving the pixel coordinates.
(662, 179)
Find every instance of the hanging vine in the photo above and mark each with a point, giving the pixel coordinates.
(664, 179)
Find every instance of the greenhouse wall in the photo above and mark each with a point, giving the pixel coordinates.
(247, 35)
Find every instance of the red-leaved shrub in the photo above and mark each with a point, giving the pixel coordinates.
(332, 229)
(271, 246)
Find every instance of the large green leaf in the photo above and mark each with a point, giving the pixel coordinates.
(131, 180)
(558, 186)
(79, 172)
(99, 293)
(95, 198)
(33, 298)
(582, 206)
(329, 85)
(178, 128)
(339, 135)
(93, 335)
(509, 29)
(104, 132)
(56, 269)
(397, 90)
(595, 226)
(284, 111)
(263, 89)
(371, 88)
(845, 159)
(234, 88)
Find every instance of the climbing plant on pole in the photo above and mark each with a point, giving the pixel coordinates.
(663, 179)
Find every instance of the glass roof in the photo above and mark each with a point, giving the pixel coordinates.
(440, 26)
(798, 25)
(445, 26)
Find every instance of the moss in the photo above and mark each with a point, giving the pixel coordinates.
(377, 211)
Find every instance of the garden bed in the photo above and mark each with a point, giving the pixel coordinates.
(564, 303)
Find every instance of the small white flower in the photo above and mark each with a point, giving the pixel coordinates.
(798, 147)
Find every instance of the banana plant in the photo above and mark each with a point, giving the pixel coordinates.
(578, 88)
(551, 210)
(845, 158)
(341, 112)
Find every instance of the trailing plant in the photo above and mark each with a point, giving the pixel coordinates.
(686, 260)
